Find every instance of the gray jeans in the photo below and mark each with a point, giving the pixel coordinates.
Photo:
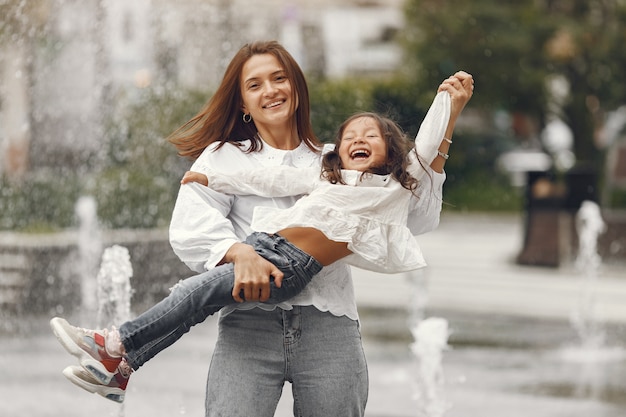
(194, 299)
(257, 351)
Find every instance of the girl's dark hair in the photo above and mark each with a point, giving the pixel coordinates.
(221, 118)
(396, 162)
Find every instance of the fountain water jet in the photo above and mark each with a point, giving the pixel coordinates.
(431, 339)
(590, 331)
(114, 289)
(591, 352)
(111, 290)
(89, 251)
(589, 225)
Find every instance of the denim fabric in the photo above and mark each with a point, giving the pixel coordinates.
(257, 351)
(194, 299)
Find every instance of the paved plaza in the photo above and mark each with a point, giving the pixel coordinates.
(510, 352)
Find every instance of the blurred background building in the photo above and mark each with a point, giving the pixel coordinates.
(66, 63)
(90, 88)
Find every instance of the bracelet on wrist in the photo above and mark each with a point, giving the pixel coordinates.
(443, 155)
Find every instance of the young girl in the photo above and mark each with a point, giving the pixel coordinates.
(364, 222)
(355, 209)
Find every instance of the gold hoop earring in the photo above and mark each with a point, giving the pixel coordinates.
(247, 118)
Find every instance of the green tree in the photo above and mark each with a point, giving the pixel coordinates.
(332, 101)
(512, 47)
(139, 184)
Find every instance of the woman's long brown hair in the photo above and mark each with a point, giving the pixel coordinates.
(221, 118)
(396, 163)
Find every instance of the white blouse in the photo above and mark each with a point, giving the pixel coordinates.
(205, 223)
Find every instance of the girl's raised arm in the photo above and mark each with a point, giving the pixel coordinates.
(431, 134)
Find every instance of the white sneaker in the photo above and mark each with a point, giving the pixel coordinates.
(114, 390)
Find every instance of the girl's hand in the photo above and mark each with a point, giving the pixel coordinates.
(460, 86)
(252, 273)
(191, 176)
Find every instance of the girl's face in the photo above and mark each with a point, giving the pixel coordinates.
(266, 91)
(362, 145)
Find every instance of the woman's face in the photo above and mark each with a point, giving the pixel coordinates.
(266, 91)
(362, 145)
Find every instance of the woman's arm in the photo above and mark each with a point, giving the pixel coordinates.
(200, 234)
(203, 235)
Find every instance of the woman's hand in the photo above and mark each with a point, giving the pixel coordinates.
(252, 273)
(460, 86)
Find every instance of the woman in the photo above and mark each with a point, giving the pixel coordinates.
(356, 207)
(259, 116)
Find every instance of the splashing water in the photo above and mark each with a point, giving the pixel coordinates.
(89, 250)
(431, 339)
(591, 350)
(590, 226)
(419, 296)
(111, 290)
(114, 289)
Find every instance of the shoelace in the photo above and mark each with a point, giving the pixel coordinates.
(125, 369)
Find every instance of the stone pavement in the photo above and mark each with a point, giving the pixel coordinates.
(472, 269)
(508, 323)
